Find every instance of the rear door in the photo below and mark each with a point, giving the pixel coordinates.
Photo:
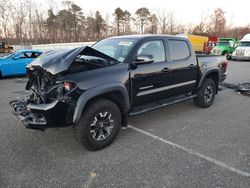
(184, 66)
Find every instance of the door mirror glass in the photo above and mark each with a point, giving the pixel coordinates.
(144, 59)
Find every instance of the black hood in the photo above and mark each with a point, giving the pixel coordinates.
(56, 61)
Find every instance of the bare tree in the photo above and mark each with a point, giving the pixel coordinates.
(199, 29)
(4, 16)
(153, 24)
(162, 17)
(18, 13)
(217, 22)
(25, 21)
(171, 21)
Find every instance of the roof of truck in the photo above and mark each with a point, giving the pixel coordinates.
(146, 36)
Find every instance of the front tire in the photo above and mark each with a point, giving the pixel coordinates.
(99, 125)
(206, 94)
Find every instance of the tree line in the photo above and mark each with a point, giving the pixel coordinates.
(24, 22)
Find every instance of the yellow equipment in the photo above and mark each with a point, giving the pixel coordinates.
(5, 48)
(197, 42)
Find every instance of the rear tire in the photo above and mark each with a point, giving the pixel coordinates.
(99, 125)
(206, 94)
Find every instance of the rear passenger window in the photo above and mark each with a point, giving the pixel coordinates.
(178, 49)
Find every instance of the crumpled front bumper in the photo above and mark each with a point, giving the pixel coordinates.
(41, 116)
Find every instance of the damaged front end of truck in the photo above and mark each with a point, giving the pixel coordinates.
(53, 98)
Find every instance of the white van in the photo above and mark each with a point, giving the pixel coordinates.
(242, 52)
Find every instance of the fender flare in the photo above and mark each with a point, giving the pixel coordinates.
(96, 91)
(206, 73)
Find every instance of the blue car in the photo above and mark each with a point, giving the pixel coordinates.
(15, 63)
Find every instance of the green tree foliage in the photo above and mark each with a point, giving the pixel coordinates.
(122, 20)
(119, 17)
(142, 17)
(99, 24)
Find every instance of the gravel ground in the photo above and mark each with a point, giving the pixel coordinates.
(206, 139)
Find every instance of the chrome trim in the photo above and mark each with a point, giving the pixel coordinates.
(165, 88)
(43, 107)
(146, 87)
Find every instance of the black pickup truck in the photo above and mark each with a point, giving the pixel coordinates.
(95, 89)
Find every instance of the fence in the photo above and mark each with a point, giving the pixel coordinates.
(44, 47)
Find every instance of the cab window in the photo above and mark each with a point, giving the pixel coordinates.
(178, 49)
(155, 48)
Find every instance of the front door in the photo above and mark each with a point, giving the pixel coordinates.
(148, 80)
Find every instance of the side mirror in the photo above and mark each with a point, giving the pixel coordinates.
(144, 59)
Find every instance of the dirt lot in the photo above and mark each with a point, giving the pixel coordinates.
(177, 146)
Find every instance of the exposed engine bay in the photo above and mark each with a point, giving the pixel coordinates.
(48, 94)
(52, 99)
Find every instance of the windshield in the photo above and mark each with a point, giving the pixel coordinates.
(223, 44)
(244, 44)
(116, 48)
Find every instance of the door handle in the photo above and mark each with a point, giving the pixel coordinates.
(191, 66)
(166, 69)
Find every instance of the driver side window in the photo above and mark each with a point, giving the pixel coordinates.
(23, 55)
(155, 48)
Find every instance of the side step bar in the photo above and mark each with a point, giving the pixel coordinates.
(160, 104)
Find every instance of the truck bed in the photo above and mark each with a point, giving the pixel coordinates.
(211, 61)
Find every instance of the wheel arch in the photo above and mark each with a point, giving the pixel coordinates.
(116, 93)
(214, 75)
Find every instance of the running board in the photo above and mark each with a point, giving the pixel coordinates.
(159, 104)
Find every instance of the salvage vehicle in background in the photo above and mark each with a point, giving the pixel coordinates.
(225, 47)
(197, 42)
(210, 44)
(15, 63)
(95, 89)
(242, 52)
(201, 44)
(4, 48)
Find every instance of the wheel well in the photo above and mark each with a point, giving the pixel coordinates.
(224, 52)
(118, 98)
(215, 77)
